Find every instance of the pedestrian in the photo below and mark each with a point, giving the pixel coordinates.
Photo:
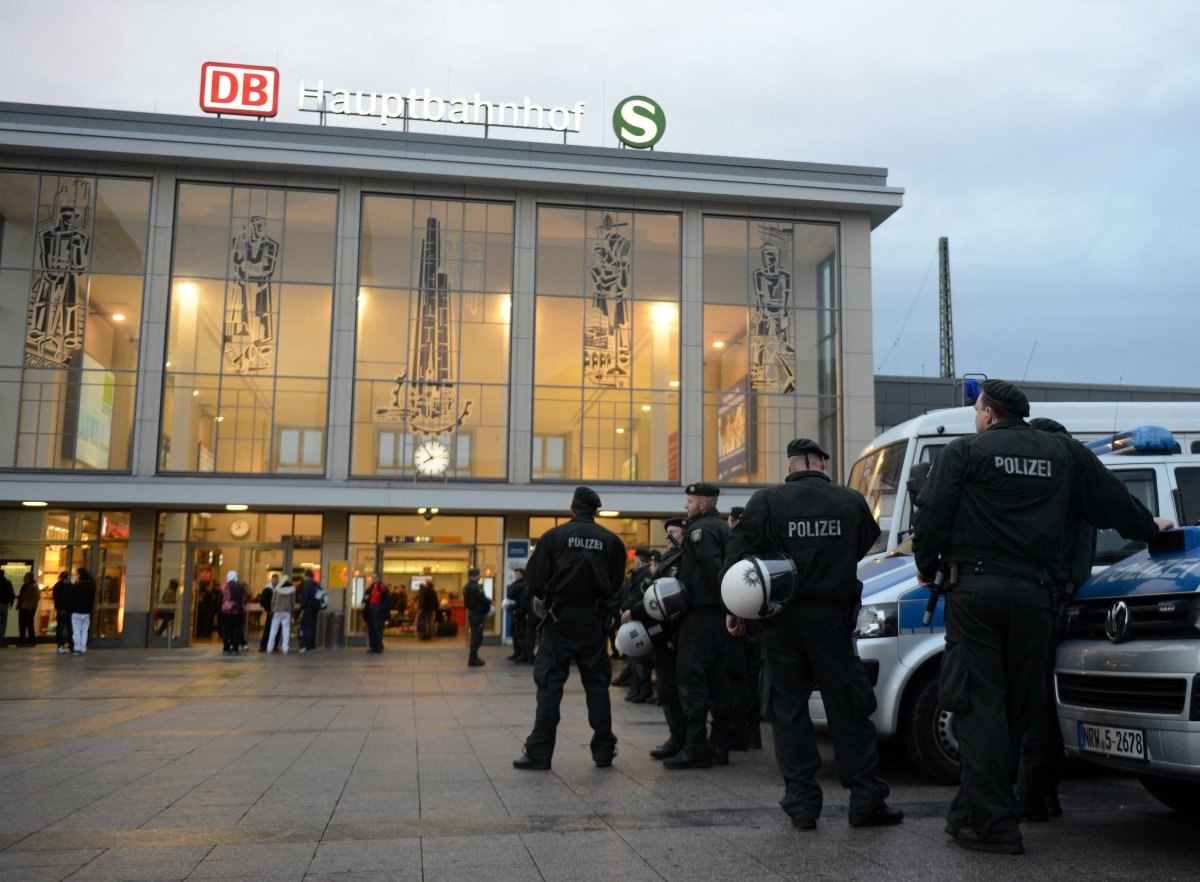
(165, 613)
(702, 678)
(376, 609)
(233, 613)
(991, 516)
(27, 604)
(574, 570)
(266, 600)
(428, 609)
(7, 598)
(519, 615)
(825, 530)
(61, 594)
(311, 595)
(83, 598)
(478, 606)
(283, 602)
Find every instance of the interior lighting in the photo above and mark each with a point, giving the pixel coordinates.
(645, 407)
(506, 310)
(663, 315)
(33, 504)
(188, 291)
(609, 514)
(620, 430)
(236, 506)
(195, 393)
(118, 316)
(674, 384)
(220, 419)
(718, 344)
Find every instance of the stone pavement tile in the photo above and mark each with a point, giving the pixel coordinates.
(13, 862)
(367, 856)
(482, 852)
(127, 864)
(286, 859)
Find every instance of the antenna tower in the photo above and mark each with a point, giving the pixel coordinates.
(945, 315)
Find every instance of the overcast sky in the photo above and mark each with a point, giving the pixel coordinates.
(1056, 143)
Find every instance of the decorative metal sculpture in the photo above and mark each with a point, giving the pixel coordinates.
(607, 331)
(250, 317)
(772, 352)
(58, 299)
(432, 395)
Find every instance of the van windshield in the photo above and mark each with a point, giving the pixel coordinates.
(877, 477)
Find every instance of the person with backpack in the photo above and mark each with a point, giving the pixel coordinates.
(376, 606)
(312, 601)
(233, 608)
(83, 598)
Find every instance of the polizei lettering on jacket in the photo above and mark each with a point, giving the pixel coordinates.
(1020, 465)
(589, 544)
(812, 528)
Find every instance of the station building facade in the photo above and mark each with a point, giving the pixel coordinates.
(400, 352)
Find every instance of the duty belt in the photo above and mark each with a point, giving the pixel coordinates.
(983, 566)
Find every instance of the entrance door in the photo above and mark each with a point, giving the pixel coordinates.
(404, 568)
(208, 568)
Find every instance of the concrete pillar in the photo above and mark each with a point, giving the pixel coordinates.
(139, 575)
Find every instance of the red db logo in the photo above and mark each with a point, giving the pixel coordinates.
(245, 89)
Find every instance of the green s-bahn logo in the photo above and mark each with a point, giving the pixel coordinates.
(639, 122)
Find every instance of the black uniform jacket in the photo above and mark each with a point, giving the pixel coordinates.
(1008, 494)
(703, 551)
(474, 598)
(825, 529)
(668, 567)
(576, 562)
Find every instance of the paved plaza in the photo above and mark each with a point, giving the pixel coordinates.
(183, 764)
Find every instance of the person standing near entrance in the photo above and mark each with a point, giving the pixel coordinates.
(376, 608)
(267, 601)
(575, 569)
(61, 592)
(478, 605)
(27, 604)
(283, 601)
(233, 612)
(428, 605)
(83, 598)
(7, 598)
(310, 605)
(520, 616)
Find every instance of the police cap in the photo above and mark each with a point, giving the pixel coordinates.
(703, 489)
(643, 553)
(737, 511)
(1054, 427)
(1006, 396)
(655, 554)
(473, 572)
(674, 522)
(586, 496)
(805, 447)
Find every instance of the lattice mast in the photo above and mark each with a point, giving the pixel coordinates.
(945, 314)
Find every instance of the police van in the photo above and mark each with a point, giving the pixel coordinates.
(882, 471)
(902, 655)
(1127, 678)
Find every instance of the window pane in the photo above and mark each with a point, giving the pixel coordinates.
(304, 330)
(202, 231)
(18, 201)
(558, 341)
(561, 259)
(122, 225)
(310, 241)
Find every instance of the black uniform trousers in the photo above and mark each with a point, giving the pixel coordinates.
(810, 643)
(520, 649)
(993, 678)
(703, 681)
(665, 661)
(375, 621)
(1042, 746)
(578, 636)
(475, 622)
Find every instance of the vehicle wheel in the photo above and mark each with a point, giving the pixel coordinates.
(929, 733)
(1182, 796)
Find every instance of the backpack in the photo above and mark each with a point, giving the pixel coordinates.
(231, 601)
(320, 598)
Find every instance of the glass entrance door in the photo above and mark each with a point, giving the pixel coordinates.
(208, 569)
(405, 568)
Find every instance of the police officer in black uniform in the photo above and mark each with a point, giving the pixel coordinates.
(993, 513)
(744, 664)
(478, 606)
(701, 676)
(825, 529)
(574, 569)
(641, 668)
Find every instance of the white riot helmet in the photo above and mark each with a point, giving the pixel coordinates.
(666, 599)
(633, 639)
(759, 587)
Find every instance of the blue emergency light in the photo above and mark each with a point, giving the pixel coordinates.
(1143, 439)
(971, 391)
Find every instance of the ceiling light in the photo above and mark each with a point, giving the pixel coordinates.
(610, 514)
(422, 510)
(236, 506)
(118, 316)
(620, 431)
(32, 504)
(195, 393)
(168, 364)
(719, 344)
(220, 419)
(188, 291)
(674, 384)
(645, 407)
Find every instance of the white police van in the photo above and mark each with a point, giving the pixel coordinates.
(1127, 678)
(882, 470)
(903, 656)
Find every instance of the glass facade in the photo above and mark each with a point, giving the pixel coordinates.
(432, 353)
(72, 276)
(770, 344)
(248, 339)
(606, 346)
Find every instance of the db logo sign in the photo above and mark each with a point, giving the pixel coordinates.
(245, 89)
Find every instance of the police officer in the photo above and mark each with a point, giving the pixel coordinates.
(701, 676)
(825, 530)
(574, 569)
(744, 663)
(642, 668)
(520, 615)
(478, 606)
(992, 513)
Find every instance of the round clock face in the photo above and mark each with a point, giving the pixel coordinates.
(431, 457)
(239, 529)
